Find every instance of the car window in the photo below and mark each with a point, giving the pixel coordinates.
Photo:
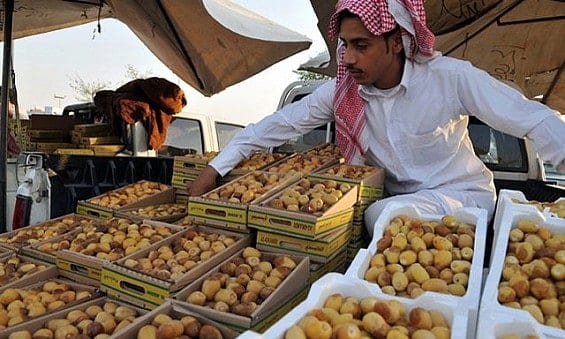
(225, 132)
(499, 151)
(184, 136)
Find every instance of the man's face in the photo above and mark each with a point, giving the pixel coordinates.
(370, 59)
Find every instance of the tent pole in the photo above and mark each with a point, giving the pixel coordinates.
(6, 67)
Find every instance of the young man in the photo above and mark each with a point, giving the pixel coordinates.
(402, 106)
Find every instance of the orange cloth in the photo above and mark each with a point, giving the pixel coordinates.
(153, 101)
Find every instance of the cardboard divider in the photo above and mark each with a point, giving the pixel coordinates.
(143, 289)
(287, 293)
(489, 302)
(45, 250)
(333, 283)
(472, 216)
(176, 311)
(301, 164)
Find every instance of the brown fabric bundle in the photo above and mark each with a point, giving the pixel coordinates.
(153, 101)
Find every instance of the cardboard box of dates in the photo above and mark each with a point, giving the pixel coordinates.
(308, 209)
(138, 194)
(107, 240)
(23, 301)
(101, 316)
(165, 212)
(347, 308)
(413, 254)
(33, 234)
(173, 320)
(148, 277)
(523, 291)
(250, 290)
(227, 206)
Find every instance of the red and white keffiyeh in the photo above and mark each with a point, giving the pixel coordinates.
(379, 17)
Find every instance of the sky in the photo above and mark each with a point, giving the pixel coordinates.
(45, 64)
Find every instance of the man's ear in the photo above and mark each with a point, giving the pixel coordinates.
(396, 39)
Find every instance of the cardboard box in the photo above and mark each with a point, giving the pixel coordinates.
(26, 236)
(319, 250)
(333, 283)
(192, 163)
(106, 150)
(181, 181)
(23, 279)
(107, 140)
(118, 280)
(470, 216)
(93, 129)
(302, 224)
(495, 317)
(370, 184)
(257, 161)
(58, 122)
(175, 310)
(290, 289)
(233, 215)
(336, 264)
(74, 151)
(87, 207)
(90, 266)
(138, 214)
(50, 275)
(41, 322)
(47, 134)
(327, 150)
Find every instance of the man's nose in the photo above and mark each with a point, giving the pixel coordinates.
(349, 57)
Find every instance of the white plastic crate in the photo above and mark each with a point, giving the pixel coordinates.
(490, 306)
(474, 216)
(332, 283)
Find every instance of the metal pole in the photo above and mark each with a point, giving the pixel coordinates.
(6, 67)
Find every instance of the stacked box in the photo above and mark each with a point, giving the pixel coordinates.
(124, 280)
(20, 133)
(336, 264)
(290, 290)
(139, 194)
(334, 283)
(227, 206)
(177, 311)
(388, 240)
(320, 231)
(370, 181)
(515, 264)
(186, 168)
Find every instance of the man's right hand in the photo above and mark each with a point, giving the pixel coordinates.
(205, 182)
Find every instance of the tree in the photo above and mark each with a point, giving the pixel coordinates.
(84, 90)
(307, 75)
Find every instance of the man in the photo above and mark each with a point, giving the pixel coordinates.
(402, 106)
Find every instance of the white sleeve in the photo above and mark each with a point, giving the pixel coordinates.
(274, 130)
(507, 110)
(549, 138)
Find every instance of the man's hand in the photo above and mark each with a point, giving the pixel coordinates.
(205, 182)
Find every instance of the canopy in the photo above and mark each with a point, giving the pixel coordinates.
(210, 44)
(513, 40)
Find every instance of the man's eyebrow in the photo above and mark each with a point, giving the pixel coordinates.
(355, 40)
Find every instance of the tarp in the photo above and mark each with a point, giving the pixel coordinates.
(210, 44)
